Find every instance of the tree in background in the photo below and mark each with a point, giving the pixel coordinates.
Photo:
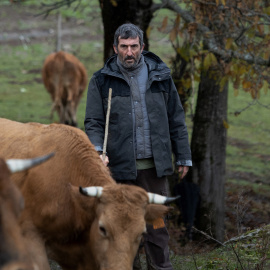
(216, 42)
(221, 41)
(115, 13)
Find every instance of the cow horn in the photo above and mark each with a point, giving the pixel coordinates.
(92, 191)
(159, 199)
(18, 165)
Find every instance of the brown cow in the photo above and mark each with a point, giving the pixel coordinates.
(65, 78)
(79, 232)
(13, 246)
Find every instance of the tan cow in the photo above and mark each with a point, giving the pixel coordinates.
(65, 78)
(102, 231)
(13, 246)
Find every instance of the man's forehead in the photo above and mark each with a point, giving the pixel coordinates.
(129, 41)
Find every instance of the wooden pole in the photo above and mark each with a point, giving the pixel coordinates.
(107, 124)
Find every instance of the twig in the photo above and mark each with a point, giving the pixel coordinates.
(237, 256)
(107, 124)
(55, 6)
(208, 236)
(194, 260)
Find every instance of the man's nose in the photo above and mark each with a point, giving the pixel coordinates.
(129, 51)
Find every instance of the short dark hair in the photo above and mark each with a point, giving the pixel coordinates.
(128, 30)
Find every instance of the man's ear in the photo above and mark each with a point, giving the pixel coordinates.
(142, 47)
(115, 49)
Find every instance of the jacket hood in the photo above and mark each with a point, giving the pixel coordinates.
(153, 62)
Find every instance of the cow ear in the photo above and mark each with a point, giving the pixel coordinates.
(155, 212)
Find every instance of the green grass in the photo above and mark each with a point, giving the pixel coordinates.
(249, 252)
(22, 95)
(248, 148)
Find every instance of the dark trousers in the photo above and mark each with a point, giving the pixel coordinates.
(156, 240)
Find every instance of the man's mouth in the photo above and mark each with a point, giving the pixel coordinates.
(129, 59)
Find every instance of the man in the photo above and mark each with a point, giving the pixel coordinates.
(146, 124)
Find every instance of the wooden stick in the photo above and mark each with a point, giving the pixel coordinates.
(107, 124)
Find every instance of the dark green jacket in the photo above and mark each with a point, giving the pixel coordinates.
(165, 112)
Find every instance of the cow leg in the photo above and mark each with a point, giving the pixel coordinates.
(73, 118)
(59, 108)
(66, 115)
(71, 114)
(62, 113)
(74, 113)
(52, 111)
(71, 108)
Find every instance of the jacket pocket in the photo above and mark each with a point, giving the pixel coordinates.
(161, 88)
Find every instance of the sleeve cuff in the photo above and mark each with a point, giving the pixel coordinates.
(184, 163)
(98, 148)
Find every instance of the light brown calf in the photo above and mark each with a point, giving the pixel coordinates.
(65, 78)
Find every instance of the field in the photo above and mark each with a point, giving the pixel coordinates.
(25, 41)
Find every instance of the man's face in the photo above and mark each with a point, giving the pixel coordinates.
(129, 51)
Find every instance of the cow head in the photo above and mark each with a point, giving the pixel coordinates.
(122, 212)
(13, 254)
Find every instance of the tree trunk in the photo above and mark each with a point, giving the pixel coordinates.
(117, 12)
(181, 72)
(59, 32)
(208, 148)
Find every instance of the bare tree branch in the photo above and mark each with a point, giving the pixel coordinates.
(208, 36)
(55, 6)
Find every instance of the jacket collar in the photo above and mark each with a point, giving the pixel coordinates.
(154, 64)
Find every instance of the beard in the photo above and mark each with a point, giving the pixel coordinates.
(130, 65)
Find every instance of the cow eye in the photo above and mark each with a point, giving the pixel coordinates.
(102, 231)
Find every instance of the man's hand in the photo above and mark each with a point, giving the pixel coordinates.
(105, 161)
(183, 170)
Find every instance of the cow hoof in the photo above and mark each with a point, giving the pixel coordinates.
(74, 124)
